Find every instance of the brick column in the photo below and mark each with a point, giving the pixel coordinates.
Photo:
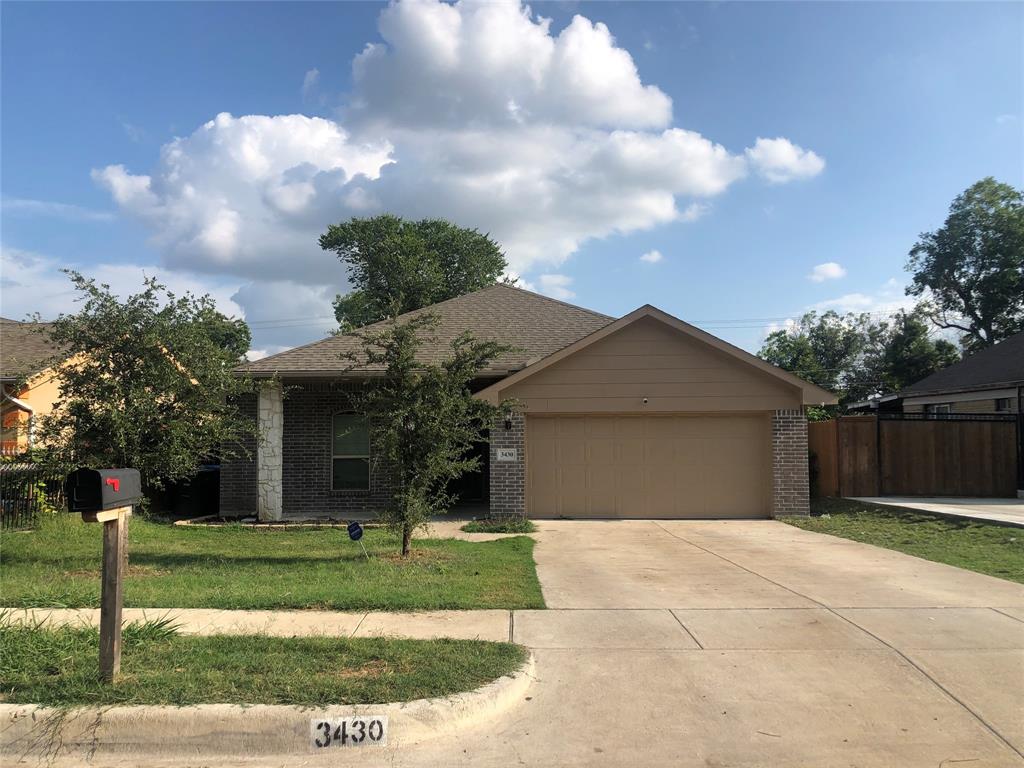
(790, 476)
(508, 478)
(269, 455)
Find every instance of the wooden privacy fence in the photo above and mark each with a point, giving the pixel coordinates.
(916, 455)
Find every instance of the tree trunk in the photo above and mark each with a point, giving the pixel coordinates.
(406, 539)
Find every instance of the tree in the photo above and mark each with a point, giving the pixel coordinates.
(971, 270)
(396, 266)
(820, 349)
(898, 352)
(147, 382)
(857, 358)
(424, 418)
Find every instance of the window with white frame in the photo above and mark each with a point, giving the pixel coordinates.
(350, 452)
(1002, 405)
(938, 408)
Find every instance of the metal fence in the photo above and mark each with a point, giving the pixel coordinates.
(26, 492)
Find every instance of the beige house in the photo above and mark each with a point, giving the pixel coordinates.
(28, 385)
(640, 416)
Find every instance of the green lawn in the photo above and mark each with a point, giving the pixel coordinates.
(997, 550)
(500, 525)
(61, 668)
(235, 566)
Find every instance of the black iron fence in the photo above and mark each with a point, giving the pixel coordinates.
(27, 492)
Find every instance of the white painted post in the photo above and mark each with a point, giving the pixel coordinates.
(269, 453)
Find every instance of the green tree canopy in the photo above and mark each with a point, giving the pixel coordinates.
(396, 266)
(147, 382)
(857, 358)
(424, 417)
(971, 270)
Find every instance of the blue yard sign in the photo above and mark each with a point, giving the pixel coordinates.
(355, 532)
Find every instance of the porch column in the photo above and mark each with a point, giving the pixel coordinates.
(508, 466)
(790, 474)
(269, 464)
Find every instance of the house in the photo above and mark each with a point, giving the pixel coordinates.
(28, 385)
(989, 381)
(640, 416)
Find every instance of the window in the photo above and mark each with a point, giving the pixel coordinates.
(938, 408)
(350, 452)
(1002, 405)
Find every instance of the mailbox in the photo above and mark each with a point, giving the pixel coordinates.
(90, 491)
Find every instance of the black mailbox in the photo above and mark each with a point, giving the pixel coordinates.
(96, 490)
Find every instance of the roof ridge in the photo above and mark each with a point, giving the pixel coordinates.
(424, 310)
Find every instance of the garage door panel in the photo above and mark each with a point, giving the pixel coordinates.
(667, 466)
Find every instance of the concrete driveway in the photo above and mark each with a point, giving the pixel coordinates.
(1005, 511)
(755, 644)
(747, 644)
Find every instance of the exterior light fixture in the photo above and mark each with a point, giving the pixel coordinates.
(508, 421)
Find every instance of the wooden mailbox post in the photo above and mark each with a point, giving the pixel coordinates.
(107, 496)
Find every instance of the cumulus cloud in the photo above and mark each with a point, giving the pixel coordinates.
(556, 286)
(652, 257)
(474, 112)
(780, 160)
(32, 282)
(830, 270)
(887, 299)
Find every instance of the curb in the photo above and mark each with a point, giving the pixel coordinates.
(46, 733)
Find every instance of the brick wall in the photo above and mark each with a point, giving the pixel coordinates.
(238, 472)
(790, 476)
(306, 448)
(508, 478)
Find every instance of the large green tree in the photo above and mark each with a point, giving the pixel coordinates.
(971, 270)
(145, 382)
(855, 357)
(395, 266)
(424, 419)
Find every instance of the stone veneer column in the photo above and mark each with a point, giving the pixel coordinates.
(269, 455)
(790, 475)
(508, 478)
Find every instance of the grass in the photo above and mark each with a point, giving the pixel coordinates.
(996, 550)
(500, 525)
(60, 668)
(233, 566)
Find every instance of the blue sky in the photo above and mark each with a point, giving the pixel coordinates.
(582, 148)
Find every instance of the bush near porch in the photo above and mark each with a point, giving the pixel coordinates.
(996, 550)
(241, 567)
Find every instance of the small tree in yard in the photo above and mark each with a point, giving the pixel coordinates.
(147, 382)
(423, 417)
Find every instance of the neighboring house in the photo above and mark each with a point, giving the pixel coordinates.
(641, 416)
(28, 386)
(989, 381)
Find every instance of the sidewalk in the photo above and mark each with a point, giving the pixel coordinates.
(462, 625)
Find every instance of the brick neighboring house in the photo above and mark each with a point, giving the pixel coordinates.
(640, 416)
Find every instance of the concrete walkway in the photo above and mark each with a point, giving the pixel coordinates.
(728, 643)
(1004, 511)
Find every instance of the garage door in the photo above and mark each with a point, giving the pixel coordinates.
(667, 466)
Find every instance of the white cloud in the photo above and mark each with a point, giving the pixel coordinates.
(830, 270)
(31, 282)
(474, 112)
(780, 160)
(886, 300)
(310, 82)
(556, 286)
(25, 207)
(652, 257)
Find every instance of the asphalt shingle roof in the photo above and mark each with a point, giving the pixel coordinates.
(535, 324)
(24, 350)
(1000, 364)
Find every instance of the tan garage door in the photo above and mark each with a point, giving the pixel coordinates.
(668, 466)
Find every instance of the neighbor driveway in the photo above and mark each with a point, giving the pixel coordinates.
(1005, 511)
